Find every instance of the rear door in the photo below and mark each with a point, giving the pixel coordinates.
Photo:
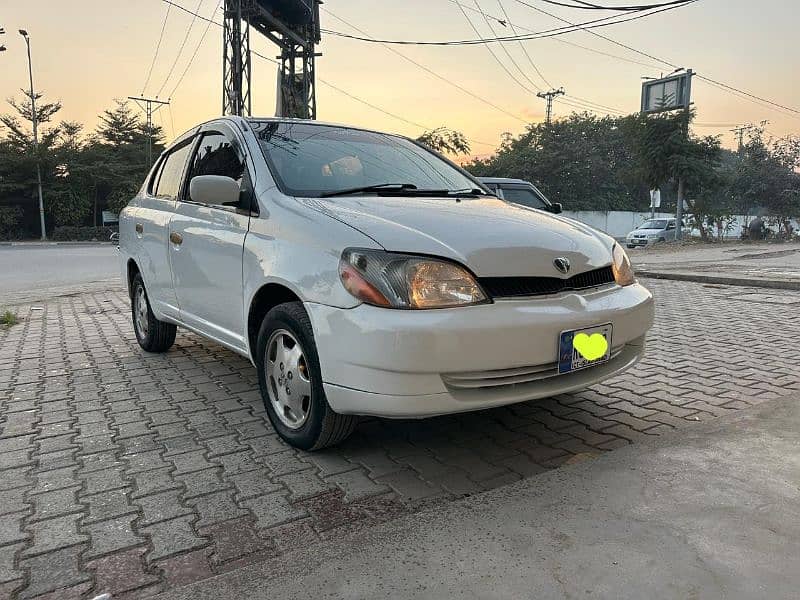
(151, 228)
(207, 242)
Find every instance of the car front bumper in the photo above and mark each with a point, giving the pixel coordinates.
(403, 363)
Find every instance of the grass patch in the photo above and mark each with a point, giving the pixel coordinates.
(8, 318)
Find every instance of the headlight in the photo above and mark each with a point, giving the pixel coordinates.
(407, 281)
(623, 272)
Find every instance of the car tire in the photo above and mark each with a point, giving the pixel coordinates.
(290, 379)
(153, 335)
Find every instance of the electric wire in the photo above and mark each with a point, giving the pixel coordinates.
(521, 45)
(180, 50)
(196, 49)
(158, 47)
(587, 25)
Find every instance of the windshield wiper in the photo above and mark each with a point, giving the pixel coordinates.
(381, 187)
(467, 192)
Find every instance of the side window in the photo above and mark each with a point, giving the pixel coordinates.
(153, 183)
(216, 155)
(169, 182)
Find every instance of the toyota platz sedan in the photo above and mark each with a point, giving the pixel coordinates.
(364, 274)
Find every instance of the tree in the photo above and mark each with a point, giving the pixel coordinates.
(583, 161)
(446, 141)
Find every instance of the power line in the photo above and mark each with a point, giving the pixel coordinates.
(661, 60)
(491, 51)
(328, 84)
(434, 73)
(503, 46)
(158, 46)
(587, 25)
(587, 6)
(196, 49)
(521, 45)
(180, 50)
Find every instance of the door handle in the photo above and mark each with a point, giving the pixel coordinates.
(176, 238)
(139, 228)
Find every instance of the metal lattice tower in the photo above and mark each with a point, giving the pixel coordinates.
(293, 25)
(236, 72)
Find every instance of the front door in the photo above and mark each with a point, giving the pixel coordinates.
(206, 244)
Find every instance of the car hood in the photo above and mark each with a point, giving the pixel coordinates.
(491, 237)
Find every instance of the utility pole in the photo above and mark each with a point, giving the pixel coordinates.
(681, 182)
(739, 132)
(147, 105)
(548, 96)
(35, 121)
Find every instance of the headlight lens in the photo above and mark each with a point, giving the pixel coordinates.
(623, 271)
(407, 281)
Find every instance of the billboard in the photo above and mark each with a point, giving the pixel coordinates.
(669, 93)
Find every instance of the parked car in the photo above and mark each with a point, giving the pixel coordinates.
(520, 192)
(652, 231)
(363, 274)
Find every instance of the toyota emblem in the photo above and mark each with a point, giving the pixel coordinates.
(562, 264)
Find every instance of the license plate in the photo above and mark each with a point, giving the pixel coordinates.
(581, 348)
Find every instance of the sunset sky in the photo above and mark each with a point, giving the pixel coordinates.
(88, 52)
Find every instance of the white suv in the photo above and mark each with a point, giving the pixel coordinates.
(364, 274)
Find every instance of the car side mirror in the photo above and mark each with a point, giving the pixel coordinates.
(214, 189)
(556, 208)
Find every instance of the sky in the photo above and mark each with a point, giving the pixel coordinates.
(86, 53)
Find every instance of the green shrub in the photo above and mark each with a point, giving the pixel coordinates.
(82, 234)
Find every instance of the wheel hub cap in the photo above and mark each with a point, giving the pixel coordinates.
(288, 382)
(140, 312)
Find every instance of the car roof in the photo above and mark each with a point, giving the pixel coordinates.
(502, 180)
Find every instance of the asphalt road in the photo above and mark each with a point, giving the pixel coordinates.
(27, 269)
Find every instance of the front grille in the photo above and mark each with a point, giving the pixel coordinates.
(509, 287)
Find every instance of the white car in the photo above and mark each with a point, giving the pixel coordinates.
(364, 274)
(652, 231)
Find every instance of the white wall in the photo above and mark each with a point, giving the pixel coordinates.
(619, 223)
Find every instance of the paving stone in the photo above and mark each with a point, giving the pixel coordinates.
(408, 485)
(266, 444)
(199, 483)
(55, 570)
(106, 505)
(112, 535)
(356, 485)
(101, 481)
(120, 572)
(13, 500)
(283, 463)
(186, 568)
(145, 461)
(191, 461)
(215, 508)
(55, 503)
(252, 483)
(54, 533)
(161, 506)
(239, 462)
(99, 461)
(302, 485)
(7, 571)
(234, 539)
(273, 509)
(16, 478)
(150, 482)
(172, 537)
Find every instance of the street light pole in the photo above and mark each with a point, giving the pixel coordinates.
(34, 118)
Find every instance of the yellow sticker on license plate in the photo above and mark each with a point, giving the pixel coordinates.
(582, 348)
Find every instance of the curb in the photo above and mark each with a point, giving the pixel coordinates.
(776, 284)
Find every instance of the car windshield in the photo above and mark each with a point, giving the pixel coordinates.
(317, 160)
(525, 196)
(654, 224)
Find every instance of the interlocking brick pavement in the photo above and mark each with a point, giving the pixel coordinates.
(131, 473)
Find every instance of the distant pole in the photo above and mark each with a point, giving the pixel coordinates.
(35, 121)
(548, 97)
(739, 133)
(681, 182)
(146, 104)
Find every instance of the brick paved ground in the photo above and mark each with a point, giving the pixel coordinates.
(132, 473)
